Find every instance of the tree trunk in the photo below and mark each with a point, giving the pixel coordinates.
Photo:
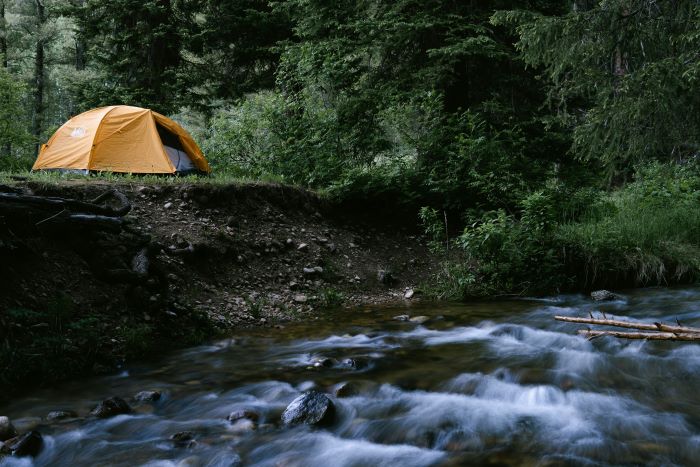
(6, 148)
(3, 34)
(38, 111)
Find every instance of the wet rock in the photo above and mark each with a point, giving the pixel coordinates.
(348, 389)
(183, 439)
(419, 319)
(244, 414)
(7, 429)
(604, 296)
(111, 407)
(356, 363)
(147, 396)
(60, 415)
(311, 408)
(354, 388)
(325, 362)
(401, 318)
(29, 444)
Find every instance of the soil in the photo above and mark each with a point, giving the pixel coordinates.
(219, 257)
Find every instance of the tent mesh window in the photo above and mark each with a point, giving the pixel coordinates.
(174, 149)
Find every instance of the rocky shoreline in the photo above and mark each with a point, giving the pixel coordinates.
(191, 262)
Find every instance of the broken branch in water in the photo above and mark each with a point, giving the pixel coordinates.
(659, 331)
(660, 336)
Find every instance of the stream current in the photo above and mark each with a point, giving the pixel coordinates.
(494, 383)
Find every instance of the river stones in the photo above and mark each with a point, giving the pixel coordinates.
(147, 396)
(604, 296)
(183, 439)
(111, 407)
(244, 414)
(29, 444)
(60, 415)
(419, 319)
(311, 408)
(7, 429)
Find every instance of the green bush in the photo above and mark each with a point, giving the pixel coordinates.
(645, 233)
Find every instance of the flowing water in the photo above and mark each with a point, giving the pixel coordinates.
(497, 383)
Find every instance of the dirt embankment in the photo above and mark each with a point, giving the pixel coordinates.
(216, 257)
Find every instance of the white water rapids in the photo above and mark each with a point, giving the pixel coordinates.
(498, 383)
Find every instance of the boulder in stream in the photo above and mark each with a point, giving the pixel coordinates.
(60, 415)
(111, 407)
(29, 444)
(147, 396)
(244, 414)
(604, 296)
(311, 408)
(184, 439)
(7, 429)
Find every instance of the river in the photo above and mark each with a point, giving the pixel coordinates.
(495, 383)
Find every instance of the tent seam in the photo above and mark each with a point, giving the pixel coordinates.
(97, 130)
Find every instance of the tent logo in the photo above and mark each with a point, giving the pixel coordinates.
(78, 132)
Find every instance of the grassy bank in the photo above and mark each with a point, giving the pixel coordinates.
(646, 232)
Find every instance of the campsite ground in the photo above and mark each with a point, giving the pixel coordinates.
(221, 255)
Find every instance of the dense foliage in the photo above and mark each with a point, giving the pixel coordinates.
(530, 133)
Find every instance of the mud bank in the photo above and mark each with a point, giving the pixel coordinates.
(218, 257)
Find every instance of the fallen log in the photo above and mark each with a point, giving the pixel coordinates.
(629, 324)
(660, 336)
(14, 200)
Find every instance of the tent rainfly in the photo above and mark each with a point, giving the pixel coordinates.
(122, 138)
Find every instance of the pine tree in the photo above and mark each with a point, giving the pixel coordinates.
(624, 75)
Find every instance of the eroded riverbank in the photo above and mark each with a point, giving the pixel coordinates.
(219, 257)
(478, 384)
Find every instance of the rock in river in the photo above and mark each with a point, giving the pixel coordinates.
(311, 408)
(604, 295)
(147, 396)
(60, 415)
(111, 407)
(29, 444)
(7, 429)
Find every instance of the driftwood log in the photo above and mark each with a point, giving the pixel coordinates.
(653, 331)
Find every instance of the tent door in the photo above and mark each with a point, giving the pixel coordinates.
(175, 151)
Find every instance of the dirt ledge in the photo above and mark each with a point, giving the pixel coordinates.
(221, 256)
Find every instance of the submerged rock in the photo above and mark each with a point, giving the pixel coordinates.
(311, 408)
(147, 396)
(419, 319)
(401, 318)
(111, 407)
(60, 415)
(183, 439)
(29, 444)
(604, 296)
(244, 414)
(7, 429)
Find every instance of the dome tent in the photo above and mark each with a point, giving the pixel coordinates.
(122, 138)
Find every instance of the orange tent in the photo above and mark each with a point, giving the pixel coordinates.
(121, 138)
